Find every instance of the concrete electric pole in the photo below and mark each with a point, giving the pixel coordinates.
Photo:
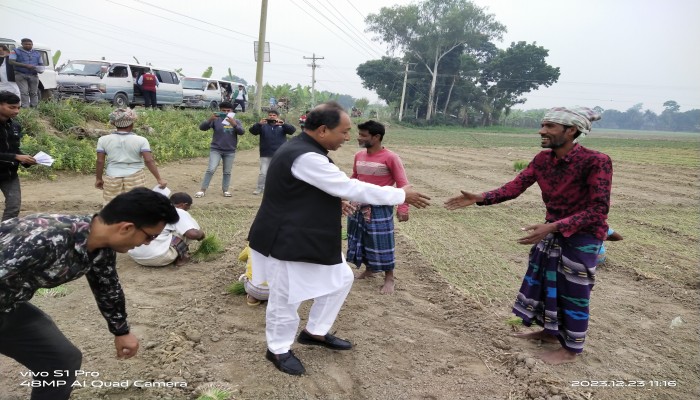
(313, 76)
(261, 57)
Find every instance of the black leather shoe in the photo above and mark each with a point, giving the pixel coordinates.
(287, 362)
(330, 341)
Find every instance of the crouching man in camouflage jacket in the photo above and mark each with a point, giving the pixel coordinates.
(46, 250)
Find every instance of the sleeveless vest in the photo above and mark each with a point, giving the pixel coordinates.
(297, 221)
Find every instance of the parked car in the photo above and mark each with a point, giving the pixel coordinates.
(47, 79)
(200, 93)
(115, 82)
(206, 92)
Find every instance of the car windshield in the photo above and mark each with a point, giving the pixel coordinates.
(85, 68)
(196, 84)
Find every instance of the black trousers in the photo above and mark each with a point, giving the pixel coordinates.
(149, 99)
(241, 102)
(30, 337)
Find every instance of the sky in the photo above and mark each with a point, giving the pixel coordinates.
(611, 53)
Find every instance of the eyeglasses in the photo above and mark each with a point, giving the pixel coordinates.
(149, 236)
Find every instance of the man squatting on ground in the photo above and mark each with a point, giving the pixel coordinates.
(575, 184)
(371, 227)
(11, 157)
(47, 250)
(172, 245)
(295, 239)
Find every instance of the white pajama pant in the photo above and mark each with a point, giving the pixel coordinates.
(282, 318)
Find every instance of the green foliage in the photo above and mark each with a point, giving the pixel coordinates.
(519, 165)
(236, 288)
(214, 393)
(58, 291)
(174, 134)
(514, 321)
(56, 57)
(207, 72)
(208, 248)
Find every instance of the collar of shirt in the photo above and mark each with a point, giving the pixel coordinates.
(567, 157)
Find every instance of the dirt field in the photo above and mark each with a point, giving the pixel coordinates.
(443, 335)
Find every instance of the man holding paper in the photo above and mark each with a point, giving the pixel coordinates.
(10, 154)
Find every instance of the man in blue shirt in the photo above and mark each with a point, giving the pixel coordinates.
(28, 65)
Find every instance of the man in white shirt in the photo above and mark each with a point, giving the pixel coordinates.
(172, 243)
(296, 242)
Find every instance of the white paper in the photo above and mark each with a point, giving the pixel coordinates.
(44, 159)
(164, 191)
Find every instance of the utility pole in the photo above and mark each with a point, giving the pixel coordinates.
(261, 57)
(403, 92)
(313, 76)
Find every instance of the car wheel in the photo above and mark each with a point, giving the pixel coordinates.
(120, 101)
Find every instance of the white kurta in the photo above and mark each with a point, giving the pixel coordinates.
(307, 280)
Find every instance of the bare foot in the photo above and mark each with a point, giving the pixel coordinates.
(365, 274)
(557, 357)
(388, 287)
(180, 261)
(541, 335)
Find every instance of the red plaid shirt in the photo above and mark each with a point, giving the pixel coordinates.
(575, 189)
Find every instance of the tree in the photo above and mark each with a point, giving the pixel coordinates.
(179, 71)
(671, 106)
(362, 103)
(430, 30)
(383, 76)
(207, 73)
(512, 72)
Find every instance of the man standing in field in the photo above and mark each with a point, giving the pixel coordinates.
(295, 239)
(47, 250)
(10, 155)
(371, 227)
(575, 184)
(125, 154)
(273, 133)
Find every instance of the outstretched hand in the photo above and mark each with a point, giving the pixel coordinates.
(463, 200)
(537, 233)
(416, 199)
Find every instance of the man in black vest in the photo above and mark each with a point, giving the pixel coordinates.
(295, 239)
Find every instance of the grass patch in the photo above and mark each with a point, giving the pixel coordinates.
(58, 291)
(236, 288)
(209, 248)
(519, 165)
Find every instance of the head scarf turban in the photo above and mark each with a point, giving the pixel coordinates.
(122, 117)
(580, 117)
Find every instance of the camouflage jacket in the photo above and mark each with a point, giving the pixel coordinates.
(46, 250)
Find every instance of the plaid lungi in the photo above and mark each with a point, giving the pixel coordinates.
(556, 290)
(371, 237)
(114, 186)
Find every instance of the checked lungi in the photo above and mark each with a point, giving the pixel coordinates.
(556, 290)
(114, 186)
(371, 237)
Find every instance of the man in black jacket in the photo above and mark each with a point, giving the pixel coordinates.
(10, 154)
(295, 239)
(273, 133)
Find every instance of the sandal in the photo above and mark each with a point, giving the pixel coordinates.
(227, 194)
(199, 194)
(251, 301)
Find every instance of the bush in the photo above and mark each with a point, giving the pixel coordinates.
(173, 134)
